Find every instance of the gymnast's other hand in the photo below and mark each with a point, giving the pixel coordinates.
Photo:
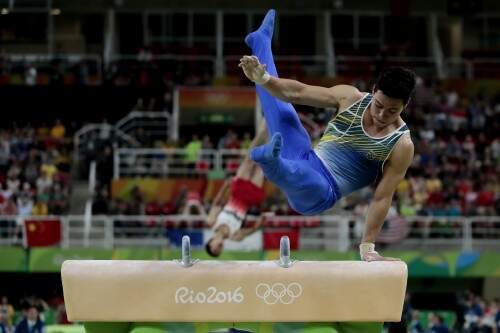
(367, 253)
(254, 70)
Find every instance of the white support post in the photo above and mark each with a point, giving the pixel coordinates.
(467, 234)
(219, 42)
(109, 37)
(116, 163)
(92, 177)
(174, 132)
(218, 160)
(65, 232)
(329, 45)
(343, 235)
(437, 52)
(87, 223)
(108, 232)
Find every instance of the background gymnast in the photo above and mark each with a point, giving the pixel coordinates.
(227, 216)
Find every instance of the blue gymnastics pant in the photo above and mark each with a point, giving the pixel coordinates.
(297, 171)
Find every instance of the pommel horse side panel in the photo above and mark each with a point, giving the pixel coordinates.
(237, 291)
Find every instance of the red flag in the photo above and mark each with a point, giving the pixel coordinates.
(42, 232)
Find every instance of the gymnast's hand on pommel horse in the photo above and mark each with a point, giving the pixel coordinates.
(366, 142)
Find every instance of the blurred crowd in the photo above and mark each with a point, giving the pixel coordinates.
(469, 314)
(31, 314)
(457, 162)
(146, 71)
(34, 170)
(456, 169)
(479, 315)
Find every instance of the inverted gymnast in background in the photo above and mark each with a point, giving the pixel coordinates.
(366, 141)
(227, 217)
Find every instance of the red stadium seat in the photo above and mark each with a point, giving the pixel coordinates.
(232, 165)
(202, 166)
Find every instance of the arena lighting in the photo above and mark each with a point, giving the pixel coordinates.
(55, 11)
(4, 11)
(237, 291)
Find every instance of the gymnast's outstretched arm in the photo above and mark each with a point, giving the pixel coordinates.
(242, 233)
(296, 92)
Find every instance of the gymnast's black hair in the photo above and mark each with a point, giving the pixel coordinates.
(209, 250)
(396, 82)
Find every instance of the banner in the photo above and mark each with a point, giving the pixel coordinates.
(215, 105)
(166, 190)
(162, 190)
(450, 263)
(217, 98)
(139, 253)
(420, 264)
(51, 259)
(12, 259)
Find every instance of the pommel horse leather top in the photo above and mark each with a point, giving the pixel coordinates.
(238, 291)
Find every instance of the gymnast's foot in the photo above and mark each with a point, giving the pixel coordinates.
(269, 152)
(265, 31)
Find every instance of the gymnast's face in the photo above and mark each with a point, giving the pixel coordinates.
(385, 110)
(216, 246)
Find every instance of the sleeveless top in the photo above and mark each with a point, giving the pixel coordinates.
(353, 157)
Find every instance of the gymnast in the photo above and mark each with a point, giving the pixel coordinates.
(228, 218)
(366, 142)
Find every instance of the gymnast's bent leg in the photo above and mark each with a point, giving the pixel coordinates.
(285, 160)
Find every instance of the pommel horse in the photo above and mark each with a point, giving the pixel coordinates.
(190, 290)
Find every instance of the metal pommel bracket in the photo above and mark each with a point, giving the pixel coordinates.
(285, 260)
(186, 260)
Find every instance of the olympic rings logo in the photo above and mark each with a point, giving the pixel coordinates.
(278, 292)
